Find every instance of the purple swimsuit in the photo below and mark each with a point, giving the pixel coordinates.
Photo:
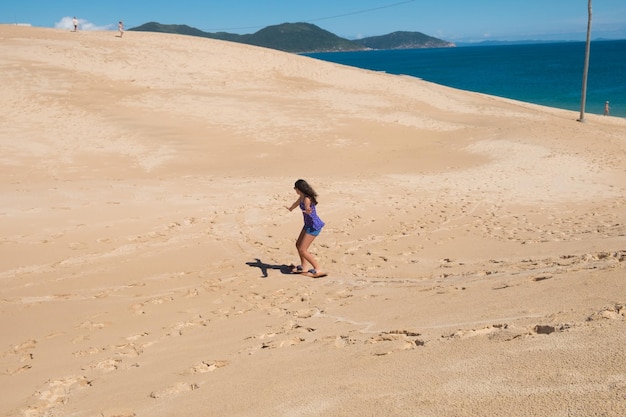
(311, 221)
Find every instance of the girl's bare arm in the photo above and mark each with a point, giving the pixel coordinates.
(294, 205)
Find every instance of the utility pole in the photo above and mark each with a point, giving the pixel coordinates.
(586, 69)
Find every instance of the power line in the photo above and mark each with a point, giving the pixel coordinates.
(328, 17)
(360, 11)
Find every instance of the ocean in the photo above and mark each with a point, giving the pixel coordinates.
(549, 74)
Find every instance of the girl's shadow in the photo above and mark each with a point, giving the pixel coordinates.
(284, 269)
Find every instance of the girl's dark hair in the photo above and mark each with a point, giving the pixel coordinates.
(307, 190)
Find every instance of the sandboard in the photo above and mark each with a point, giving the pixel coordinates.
(318, 275)
(293, 269)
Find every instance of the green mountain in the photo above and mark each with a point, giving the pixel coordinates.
(305, 37)
(187, 30)
(403, 40)
(300, 37)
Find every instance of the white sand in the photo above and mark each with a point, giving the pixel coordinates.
(475, 245)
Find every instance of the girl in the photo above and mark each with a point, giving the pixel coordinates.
(307, 200)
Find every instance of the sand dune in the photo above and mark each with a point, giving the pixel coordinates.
(475, 245)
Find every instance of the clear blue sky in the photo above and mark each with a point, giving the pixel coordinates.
(453, 20)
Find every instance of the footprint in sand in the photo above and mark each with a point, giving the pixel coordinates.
(57, 392)
(305, 313)
(273, 344)
(174, 390)
(137, 336)
(341, 341)
(615, 312)
(18, 370)
(107, 365)
(129, 350)
(276, 344)
(490, 332)
(204, 367)
(140, 307)
(177, 328)
(92, 326)
(22, 354)
(538, 278)
(87, 352)
(24, 346)
(395, 340)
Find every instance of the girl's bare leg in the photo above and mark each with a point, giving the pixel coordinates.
(302, 244)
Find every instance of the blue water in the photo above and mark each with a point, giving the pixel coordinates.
(546, 74)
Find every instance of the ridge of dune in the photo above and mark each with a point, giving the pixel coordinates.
(475, 245)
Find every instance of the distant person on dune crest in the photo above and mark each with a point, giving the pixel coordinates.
(75, 23)
(607, 108)
(120, 28)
